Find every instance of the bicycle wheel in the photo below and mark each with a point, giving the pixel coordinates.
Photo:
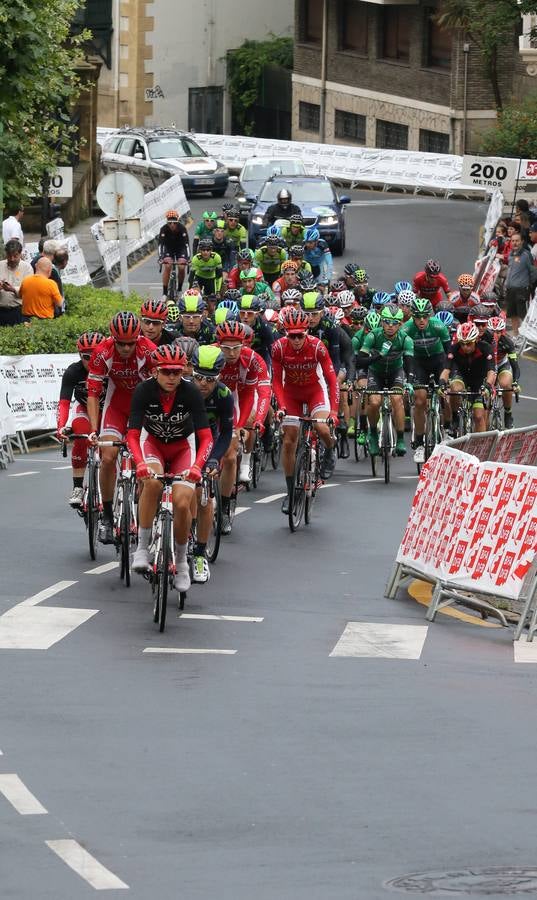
(92, 514)
(276, 450)
(162, 574)
(360, 450)
(256, 462)
(297, 498)
(386, 448)
(496, 423)
(213, 543)
(125, 535)
(313, 479)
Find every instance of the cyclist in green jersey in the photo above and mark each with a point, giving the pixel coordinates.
(269, 257)
(204, 229)
(206, 268)
(250, 285)
(431, 341)
(294, 232)
(234, 231)
(368, 321)
(388, 353)
(296, 253)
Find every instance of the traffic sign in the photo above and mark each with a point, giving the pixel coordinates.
(490, 172)
(120, 185)
(61, 182)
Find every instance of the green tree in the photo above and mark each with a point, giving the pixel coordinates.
(38, 85)
(244, 72)
(489, 25)
(515, 131)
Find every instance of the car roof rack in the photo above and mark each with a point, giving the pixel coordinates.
(152, 131)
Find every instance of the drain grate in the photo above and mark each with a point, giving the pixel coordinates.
(483, 881)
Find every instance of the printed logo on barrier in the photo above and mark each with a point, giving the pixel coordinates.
(481, 562)
(46, 371)
(531, 168)
(10, 373)
(505, 570)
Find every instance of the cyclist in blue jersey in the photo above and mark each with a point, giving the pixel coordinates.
(317, 253)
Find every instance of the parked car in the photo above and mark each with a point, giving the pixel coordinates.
(318, 201)
(255, 171)
(155, 154)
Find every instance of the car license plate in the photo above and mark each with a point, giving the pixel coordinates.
(207, 181)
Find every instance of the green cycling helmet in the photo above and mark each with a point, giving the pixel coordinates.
(173, 312)
(372, 320)
(312, 300)
(421, 307)
(361, 276)
(391, 313)
(208, 360)
(209, 216)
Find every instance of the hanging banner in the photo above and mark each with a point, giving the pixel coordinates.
(30, 388)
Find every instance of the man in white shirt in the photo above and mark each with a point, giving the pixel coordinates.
(13, 270)
(11, 227)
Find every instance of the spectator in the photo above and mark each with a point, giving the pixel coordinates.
(517, 282)
(523, 220)
(61, 259)
(11, 227)
(13, 270)
(40, 294)
(533, 242)
(49, 248)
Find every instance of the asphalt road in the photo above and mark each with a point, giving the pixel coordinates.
(276, 769)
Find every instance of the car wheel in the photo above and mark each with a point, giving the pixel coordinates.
(219, 193)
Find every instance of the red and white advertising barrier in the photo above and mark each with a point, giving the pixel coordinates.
(472, 528)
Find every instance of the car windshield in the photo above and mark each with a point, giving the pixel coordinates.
(261, 169)
(174, 148)
(301, 191)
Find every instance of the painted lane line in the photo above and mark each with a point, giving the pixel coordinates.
(22, 474)
(330, 484)
(527, 397)
(207, 616)
(100, 570)
(372, 639)
(1, 753)
(362, 480)
(272, 497)
(241, 509)
(60, 468)
(46, 593)
(187, 650)
(525, 651)
(39, 627)
(84, 864)
(408, 476)
(21, 799)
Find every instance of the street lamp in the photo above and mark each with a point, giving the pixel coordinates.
(466, 51)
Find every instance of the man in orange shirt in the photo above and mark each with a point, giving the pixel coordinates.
(40, 295)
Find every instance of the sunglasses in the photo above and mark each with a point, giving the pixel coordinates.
(208, 378)
(416, 317)
(191, 315)
(147, 321)
(231, 347)
(296, 335)
(86, 356)
(170, 373)
(126, 343)
(232, 219)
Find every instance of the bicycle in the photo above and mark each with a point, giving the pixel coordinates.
(124, 508)
(495, 408)
(239, 485)
(463, 419)
(210, 490)
(91, 507)
(361, 450)
(256, 459)
(342, 442)
(386, 431)
(306, 475)
(162, 549)
(173, 284)
(434, 431)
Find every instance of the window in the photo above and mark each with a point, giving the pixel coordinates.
(433, 141)
(174, 148)
(394, 34)
(353, 26)
(311, 21)
(126, 147)
(391, 136)
(304, 190)
(350, 126)
(309, 116)
(437, 43)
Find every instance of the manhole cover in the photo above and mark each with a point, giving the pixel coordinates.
(487, 881)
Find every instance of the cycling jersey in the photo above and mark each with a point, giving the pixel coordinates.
(296, 237)
(263, 339)
(471, 368)
(201, 233)
(220, 408)
(429, 341)
(123, 376)
(74, 384)
(243, 378)
(268, 263)
(226, 251)
(238, 236)
(503, 352)
(296, 376)
(430, 288)
(345, 345)
(320, 260)
(234, 277)
(387, 354)
(205, 334)
(328, 332)
(173, 243)
(205, 269)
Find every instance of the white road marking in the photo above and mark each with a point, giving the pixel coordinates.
(525, 651)
(371, 639)
(46, 593)
(222, 618)
(60, 468)
(100, 570)
(39, 627)
(241, 509)
(22, 474)
(84, 864)
(527, 397)
(187, 650)
(362, 480)
(21, 799)
(408, 476)
(330, 484)
(1, 753)
(272, 497)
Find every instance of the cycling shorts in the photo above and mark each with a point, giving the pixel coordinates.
(395, 378)
(505, 367)
(175, 457)
(80, 424)
(316, 398)
(470, 383)
(425, 366)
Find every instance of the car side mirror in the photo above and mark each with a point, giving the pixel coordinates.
(251, 198)
(139, 154)
(233, 179)
(344, 199)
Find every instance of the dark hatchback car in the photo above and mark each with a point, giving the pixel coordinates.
(318, 201)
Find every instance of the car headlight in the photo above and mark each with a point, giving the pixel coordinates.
(241, 200)
(221, 170)
(328, 220)
(257, 220)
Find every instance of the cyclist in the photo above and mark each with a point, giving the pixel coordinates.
(245, 374)
(465, 298)
(173, 246)
(245, 260)
(388, 354)
(469, 367)
(287, 279)
(121, 362)
(284, 208)
(294, 232)
(218, 399)
(400, 287)
(225, 249)
(321, 325)
(431, 344)
(371, 320)
(250, 313)
(189, 346)
(269, 257)
(234, 231)
(250, 284)
(505, 357)
(153, 316)
(362, 292)
(206, 268)
(405, 300)
(204, 229)
(168, 432)
(317, 253)
(192, 320)
(349, 276)
(74, 384)
(296, 254)
(430, 282)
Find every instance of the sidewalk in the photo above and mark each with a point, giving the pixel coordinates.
(85, 239)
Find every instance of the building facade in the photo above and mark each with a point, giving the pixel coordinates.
(393, 77)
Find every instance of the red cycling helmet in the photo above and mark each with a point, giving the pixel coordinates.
(467, 333)
(294, 319)
(496, 324)
(125, 326)
(154, 309)
(170, 356)
(230, 331)
(88, 341)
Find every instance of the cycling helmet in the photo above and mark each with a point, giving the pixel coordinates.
(251, 302)
(296, 250)
(350, 270)
(406, 298)
(209, 216)
(192, 292)
(290, 296)
(294, 319)
(272, 240)
(284, 194)
(358, 314)
(465, 281)
(230, 331)
(208, 360)
(479, 313)
(230, 305)
(271, 315)
(391, 313)
(421, 307)
(336, 313)
(263, 298)
(192, 303)
(337, 287)
(296, 219)
(289, 265)
(188, 345)
(245, 255)
(233, 212)
(380, 298)
(467, 333)
(345, 299)
(173, 313)
(312, 301)
(496, 324)
(401, 286)
(446, 317)
(492, 307)
(248, 273)
(125, 326)
(154, 309)
(361, 276)
(248, 333)
(172, 215)
(445, 306)
(169, 355)
(232, 295)
(372, 320)
(312, 234)
(274, 230)
(221, 314)
(205, 244)
(226, 207)
(307, 281)
(432, 267)
(88, 341)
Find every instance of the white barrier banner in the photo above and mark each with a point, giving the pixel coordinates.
(494, 213)
(528, 328)
(473, 524)
(30, 389)
(76, 271)
(169, 195)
